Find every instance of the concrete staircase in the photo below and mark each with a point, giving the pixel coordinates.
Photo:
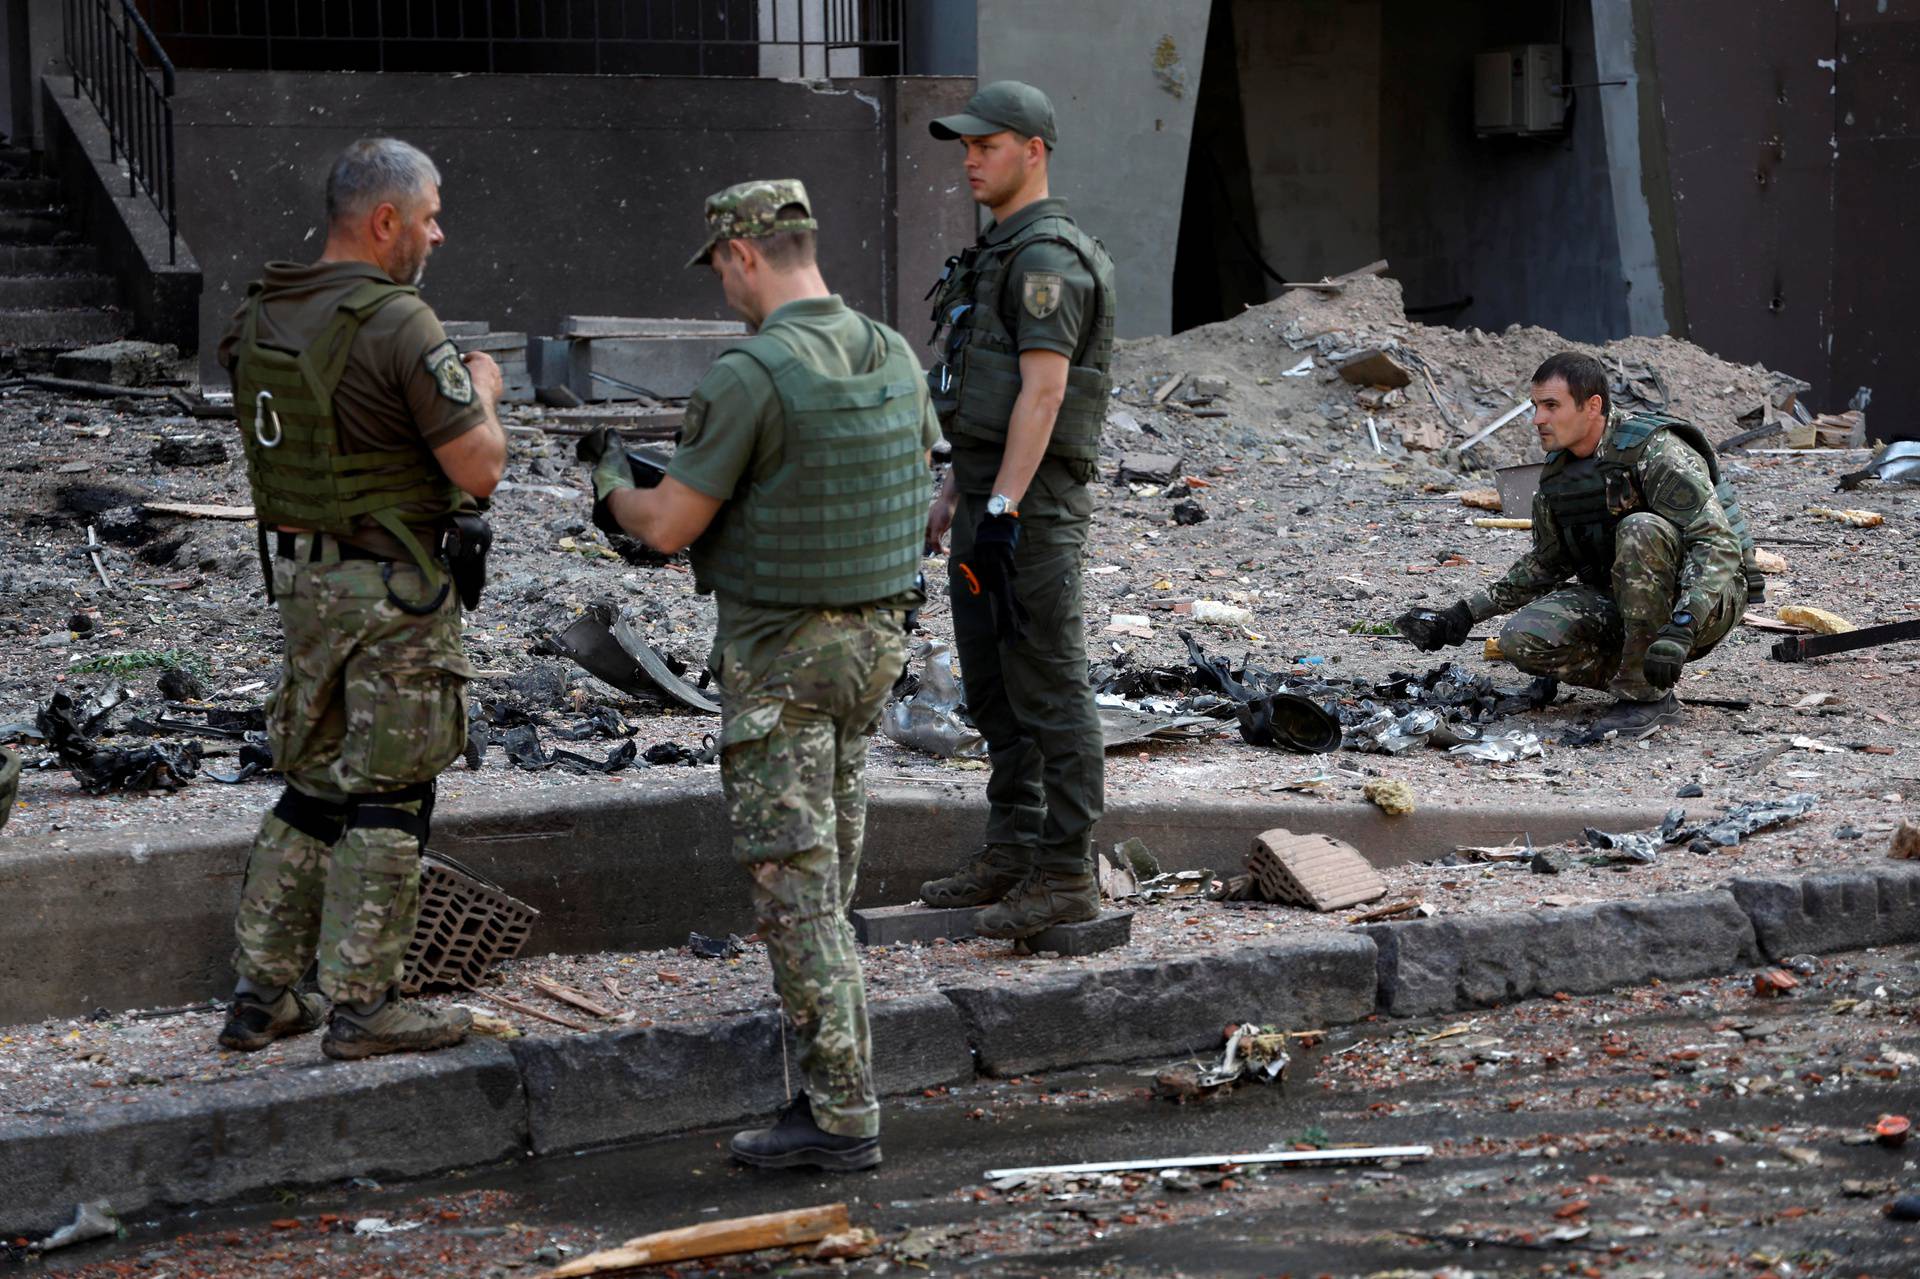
(53, 296)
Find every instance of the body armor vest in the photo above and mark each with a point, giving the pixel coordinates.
(976, 384)
(842, 521)
(1588, 509)
(296, 469)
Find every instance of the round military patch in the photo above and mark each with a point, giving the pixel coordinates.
(449, 374)
(1040, 293)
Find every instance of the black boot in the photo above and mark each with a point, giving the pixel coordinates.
(795, 1141)
(1635, 720)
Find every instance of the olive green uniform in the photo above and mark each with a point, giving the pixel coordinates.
(1030, 698)
(372, 698)
(804, 682)
(1643, 532)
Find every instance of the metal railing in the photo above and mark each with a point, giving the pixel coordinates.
(593, 37)
(115, 60)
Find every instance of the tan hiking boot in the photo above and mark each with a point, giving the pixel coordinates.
(252, 1024)
(1046, 898)
(399, 1026)
(992, 873)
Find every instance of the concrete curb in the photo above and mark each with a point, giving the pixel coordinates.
(487, 1101)
(1125, 1012)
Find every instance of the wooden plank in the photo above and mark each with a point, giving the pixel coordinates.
(712, 1239)
(194, 510)
(568, 995)
(528, 1010)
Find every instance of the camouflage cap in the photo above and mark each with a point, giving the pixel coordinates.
(1004, 104)
(750, 210)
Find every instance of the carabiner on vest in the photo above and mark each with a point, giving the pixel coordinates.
(262, 411)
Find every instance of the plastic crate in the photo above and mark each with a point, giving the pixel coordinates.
(467, 924)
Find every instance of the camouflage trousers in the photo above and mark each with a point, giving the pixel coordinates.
(1595, 640)
(372, 699)
(793, 761)
(9, 783)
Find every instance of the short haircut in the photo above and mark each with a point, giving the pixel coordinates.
(1585, 377)
(376, 171)
(788, 250)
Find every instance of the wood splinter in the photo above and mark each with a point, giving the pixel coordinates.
(712, 1239)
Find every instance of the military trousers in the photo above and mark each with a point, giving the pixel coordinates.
(1030, 699)
(792, 765)
(372, 700)
(1599, 640)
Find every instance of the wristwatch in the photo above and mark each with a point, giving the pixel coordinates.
(1682, 618)
(1001, 504)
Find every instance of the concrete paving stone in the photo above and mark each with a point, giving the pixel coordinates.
(590, 1090)
(1833, 910)
(1110, 929)
(400, 1116)
(1442, 964)
(1122, 1012)
(885, 925)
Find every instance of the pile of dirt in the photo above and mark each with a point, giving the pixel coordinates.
(1282, 362)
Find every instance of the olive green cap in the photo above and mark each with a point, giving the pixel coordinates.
(751, 210)
(1004, 104)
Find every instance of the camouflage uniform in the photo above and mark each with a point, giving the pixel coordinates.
(1677, 553)
(803, 680)
(372, 698)
(9, 783)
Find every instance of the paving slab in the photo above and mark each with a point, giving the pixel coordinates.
(1110, 929)
(887, 925)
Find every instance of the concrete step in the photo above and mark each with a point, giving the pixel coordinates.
(48, 259)
(28, 193)
(55, 292)
(32, 228)
(61, 330)
(18, 158)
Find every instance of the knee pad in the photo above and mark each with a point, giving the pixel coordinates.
(375, 810)
(324, 820)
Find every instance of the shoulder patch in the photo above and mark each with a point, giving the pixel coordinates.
(1040, 293)
(449, 374)
(695, 416)
(1676, 493)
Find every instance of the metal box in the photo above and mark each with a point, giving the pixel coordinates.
(1518, 91)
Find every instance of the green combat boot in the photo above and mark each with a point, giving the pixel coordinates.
(253, 1023)
(990, 875)
(1045, 899)
(397, 1026)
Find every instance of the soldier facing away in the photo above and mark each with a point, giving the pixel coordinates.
(1022, 394)
(368, 441)
(1633, 507)
(797, 488)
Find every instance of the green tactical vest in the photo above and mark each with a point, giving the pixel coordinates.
(983, 365)
(1588, 510)
(283, 400)
(841, 522)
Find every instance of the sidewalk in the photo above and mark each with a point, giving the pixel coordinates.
(85, 1121)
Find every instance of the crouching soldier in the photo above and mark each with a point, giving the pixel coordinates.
(1633, 509)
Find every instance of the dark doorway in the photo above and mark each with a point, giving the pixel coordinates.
(1217, 267)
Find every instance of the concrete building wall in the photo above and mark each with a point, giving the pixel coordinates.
(571, 194)
(1310, 86)
(1122, 75)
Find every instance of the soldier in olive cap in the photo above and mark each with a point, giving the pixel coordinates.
(812, 596)
(1022, 393)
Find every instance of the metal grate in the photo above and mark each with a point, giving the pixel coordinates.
(467, 924)
(581, 37)
(121, 68)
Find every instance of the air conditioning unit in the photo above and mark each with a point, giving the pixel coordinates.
(1517, 91)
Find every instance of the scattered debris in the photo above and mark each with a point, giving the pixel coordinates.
(1289, 721)
(1394, 798)
(1740, 821)
(1353, 1154)
(1897, 463)
(1817, 620)
(522, 744)
(1641, 850)
(1501, 749)
(705, 947)
(1374, 367)
(198, 511)
(1481, 499)
(92, 1220)
(1315, 871)
(605, 643)
(1409, 906)
(1772, 563)
(1774, 982)
(929, 719)
(1850, 517)
(189, 450)
(467, 924)
(1892, 1130)
(1215, 613)
(714, 1239)
(1800, 648)
(382, 1226)
(1906, 843)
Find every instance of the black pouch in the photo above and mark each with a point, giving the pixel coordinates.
(467, 547)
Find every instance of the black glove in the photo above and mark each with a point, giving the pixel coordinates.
(1667, 654)
(1430, 630)
(613, 469)
(988, 570)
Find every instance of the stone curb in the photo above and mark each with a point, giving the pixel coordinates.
(487, 1101)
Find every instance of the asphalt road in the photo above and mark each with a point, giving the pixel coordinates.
(1694, 1129)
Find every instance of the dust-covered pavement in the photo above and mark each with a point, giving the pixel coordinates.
(1321, 537)
(1689, 1129)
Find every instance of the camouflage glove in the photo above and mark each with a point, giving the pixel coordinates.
(1667, 654)
(989, 570)
(1430, 630)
